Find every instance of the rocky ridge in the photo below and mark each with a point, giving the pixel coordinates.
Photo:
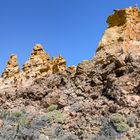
(97, 100)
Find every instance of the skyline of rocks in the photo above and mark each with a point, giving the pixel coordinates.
(97, 100)
(38, 65)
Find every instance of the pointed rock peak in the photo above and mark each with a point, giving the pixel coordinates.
(40, 64)
(12, 68)
(39, 52)
(38, 47)
(13, 60)
(38, 60)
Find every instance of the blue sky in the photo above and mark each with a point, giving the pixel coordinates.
(72, 28)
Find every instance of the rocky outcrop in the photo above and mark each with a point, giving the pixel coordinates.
(11, 74)
(123, 30)
(98, 99)
(58, 64)
(12, 68)
(40, 64)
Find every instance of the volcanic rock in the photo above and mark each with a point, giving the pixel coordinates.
(53, 101)
(12, 68)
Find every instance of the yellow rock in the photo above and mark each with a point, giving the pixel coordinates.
(39, 64)
(12, 68)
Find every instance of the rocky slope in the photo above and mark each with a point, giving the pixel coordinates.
(97, 100)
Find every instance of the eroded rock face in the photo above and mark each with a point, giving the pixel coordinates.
(58, 64)
(12, 68)
(37, 64)
(98, 99)
(11, 74)
(40, 64)
(123, 30)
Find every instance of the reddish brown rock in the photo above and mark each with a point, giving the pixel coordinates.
(87, 95)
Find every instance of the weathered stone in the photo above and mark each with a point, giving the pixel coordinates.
(80, 99)
(12, 68)
(39, 64)
(58, 64)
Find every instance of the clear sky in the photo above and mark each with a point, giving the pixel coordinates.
(72, 28)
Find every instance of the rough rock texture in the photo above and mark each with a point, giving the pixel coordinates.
(37, 63)
(12, 68)
(58, 64)
(40, 64)
(11, 74)
(97, 100)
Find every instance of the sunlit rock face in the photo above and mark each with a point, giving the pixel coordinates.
(38, 63)
(12, 68)
(11, 74)
(98, 99)
(123, 32)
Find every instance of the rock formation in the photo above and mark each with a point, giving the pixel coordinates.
(58, 64)
(98, 99)
(11, 74)
(40, 64)
(12, 68)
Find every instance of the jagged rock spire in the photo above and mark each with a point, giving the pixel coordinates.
(39, 63)
(39, 52)
(38, 60)
(12, 69)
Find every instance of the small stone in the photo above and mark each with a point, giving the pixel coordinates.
(43, 137)
(1, 123)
